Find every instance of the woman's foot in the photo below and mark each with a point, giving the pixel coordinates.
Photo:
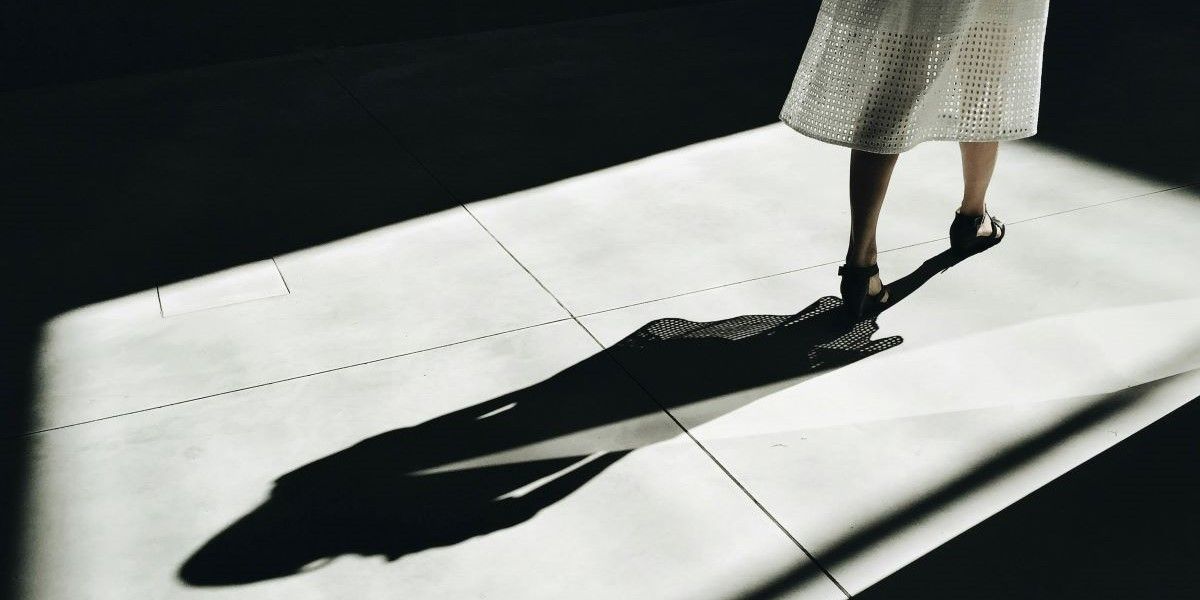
(972, 231)
(985, 228)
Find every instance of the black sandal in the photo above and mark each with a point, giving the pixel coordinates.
(855, 283)
(964, 231)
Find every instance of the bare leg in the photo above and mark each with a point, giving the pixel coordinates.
(978, 162)
(869, 176)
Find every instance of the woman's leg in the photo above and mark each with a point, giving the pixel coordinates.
(978, 162)
(869, 177)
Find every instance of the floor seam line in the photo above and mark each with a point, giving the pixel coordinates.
(718, 463)
(445, 188)
(1106, 202)
(384, 126)
(287, 288)
(518, 261)
(835, 262)
(278, 381)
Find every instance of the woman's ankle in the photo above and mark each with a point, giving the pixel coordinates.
(971, 209)
(861, 259)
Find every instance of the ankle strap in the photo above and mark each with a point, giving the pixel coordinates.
(856, 270)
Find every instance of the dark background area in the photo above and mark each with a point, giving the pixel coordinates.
(188, 163)
(52, 41)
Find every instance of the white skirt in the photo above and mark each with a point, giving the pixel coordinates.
(886, 75)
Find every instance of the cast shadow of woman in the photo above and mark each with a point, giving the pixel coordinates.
(498, 463)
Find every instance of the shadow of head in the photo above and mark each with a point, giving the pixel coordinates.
(496, 464)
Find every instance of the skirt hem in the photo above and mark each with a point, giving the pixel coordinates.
(890, 150)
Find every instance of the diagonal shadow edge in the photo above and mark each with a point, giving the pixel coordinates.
(983, 473)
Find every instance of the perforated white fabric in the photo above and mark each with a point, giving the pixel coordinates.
(886, 75)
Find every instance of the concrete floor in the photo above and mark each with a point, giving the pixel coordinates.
(616, 383)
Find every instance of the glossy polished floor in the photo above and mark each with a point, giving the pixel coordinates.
(546, 374)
